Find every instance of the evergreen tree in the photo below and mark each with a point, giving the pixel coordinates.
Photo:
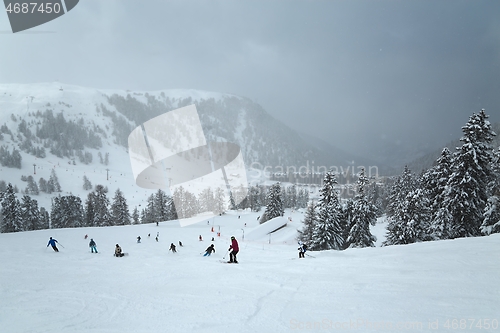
(232, 203)
(191, 204)
(16, 158)
(149, 213)
(163, 204)
(434, 182)
(44, 218)
(30, 214)
(206, 200)
(241, 197)
(467, 191)
(101, 204)
(363, 214)
(400, 189)
(491, 215)
(491, 221)
(412, 220)
(96, 208)
(346, 219)
(219, 201)
(304, 198)
(274, 207)
(42, 185)
(135, 216)
(11, 217)
(254, 199)
(181, 202)
(119, 209)
(327, 232)
(310, 219)
(73, 209)
(53, 183)
(87, 185)
(32, 187)
(89, 210)
(144, 216)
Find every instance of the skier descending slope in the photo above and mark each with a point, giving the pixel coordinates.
(172, 248)
(92, 246)
(52, 242)
(234, 249)
(209, 250)
(302, 249)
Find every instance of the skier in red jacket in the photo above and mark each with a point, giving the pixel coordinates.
(234, 248)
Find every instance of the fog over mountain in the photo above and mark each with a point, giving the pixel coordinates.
(388, 81)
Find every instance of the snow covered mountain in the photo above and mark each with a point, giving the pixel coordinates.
(79, 132)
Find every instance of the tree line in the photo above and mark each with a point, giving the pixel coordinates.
(70, 211)
(458, 197)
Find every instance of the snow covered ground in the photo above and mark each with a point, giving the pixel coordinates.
(415, 288)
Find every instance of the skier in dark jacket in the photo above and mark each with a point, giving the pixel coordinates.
(209, 250)
(172, 248)
(92, 246)
(234, 248)
(52, 242)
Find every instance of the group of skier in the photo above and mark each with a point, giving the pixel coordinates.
(233, 248)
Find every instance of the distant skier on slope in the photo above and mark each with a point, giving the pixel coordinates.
(118, 251)
(209, 250)
(52, 242)
(138, 239)
(172, 248)
(234, 249)
(302, 249)
(92, 246)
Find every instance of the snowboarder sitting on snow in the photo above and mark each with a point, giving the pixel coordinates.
(302, 249)
(92, 246)
(52, 242)
(118, 251)
(234, 248)
(209, 250)
(172, 248)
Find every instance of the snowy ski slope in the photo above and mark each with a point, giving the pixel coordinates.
(409, 288)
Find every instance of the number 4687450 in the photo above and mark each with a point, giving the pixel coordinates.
(33, 7)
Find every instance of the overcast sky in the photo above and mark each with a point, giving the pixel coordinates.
(357, 74)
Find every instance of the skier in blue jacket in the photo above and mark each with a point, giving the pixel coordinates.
(52, 242)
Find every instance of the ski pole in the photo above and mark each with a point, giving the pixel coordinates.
(310, 255)
(225, 255)
(61, 245)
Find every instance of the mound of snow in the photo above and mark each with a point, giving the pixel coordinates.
(261, 231)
